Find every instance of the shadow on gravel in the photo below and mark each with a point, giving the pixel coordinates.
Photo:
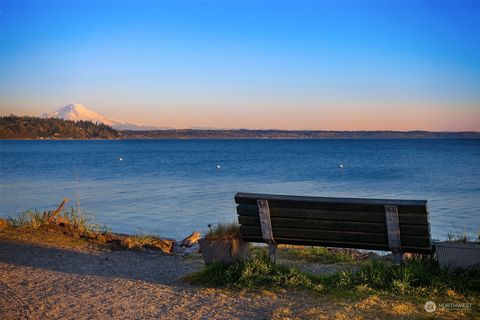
(151, 267)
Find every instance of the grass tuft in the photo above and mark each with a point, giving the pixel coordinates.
(30, 219)
(257, 272)
(224, 231)
(34, 219)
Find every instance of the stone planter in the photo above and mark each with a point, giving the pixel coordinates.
(226, 251)
(454, 255)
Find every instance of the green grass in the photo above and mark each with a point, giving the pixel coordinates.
(30, 219)
(257, 272)
(224, 231)
(415, 277)
(34, 219)
(317, 255)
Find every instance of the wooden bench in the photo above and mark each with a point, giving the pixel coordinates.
(398, 226)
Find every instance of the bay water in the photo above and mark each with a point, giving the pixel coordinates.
(172, 187)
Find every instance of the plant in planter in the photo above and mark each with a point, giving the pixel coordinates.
(223, 243)
(458, 252)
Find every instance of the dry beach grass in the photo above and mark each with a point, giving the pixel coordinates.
(48, 275)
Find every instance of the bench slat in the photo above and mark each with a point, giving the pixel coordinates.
(337, 244)
(355, 216)
(333, 225)
(340, 236)
(327, 203)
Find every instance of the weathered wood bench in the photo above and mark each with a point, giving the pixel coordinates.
(398, 226)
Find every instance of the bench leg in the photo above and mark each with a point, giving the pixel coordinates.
(397, 258)
(272, 253)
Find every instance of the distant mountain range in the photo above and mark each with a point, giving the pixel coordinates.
(77, 111)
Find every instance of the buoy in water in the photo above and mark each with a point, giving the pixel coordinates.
(340, 166)
(120, 159)
(218, 166)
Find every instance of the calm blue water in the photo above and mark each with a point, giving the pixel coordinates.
(173, 187)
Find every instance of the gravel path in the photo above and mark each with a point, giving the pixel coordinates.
(47, 282)
(49, 276)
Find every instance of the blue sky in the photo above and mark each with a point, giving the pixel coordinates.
(290, 65)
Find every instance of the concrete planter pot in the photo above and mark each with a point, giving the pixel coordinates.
(457, 255)
(226, 251)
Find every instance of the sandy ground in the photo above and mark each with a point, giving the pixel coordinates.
(52, 281)
(69, 280)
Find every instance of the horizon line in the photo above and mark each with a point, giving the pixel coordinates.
(167, 128)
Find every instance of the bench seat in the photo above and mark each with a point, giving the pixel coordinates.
(399, 226)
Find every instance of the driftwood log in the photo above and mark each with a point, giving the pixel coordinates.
(58, 210)
(190, 240)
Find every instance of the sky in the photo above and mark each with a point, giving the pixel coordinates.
(335, 65)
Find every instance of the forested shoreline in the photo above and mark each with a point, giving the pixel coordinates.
(15, 127)
(25, 127)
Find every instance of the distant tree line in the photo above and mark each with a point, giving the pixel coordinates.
(15, 127)
(297, 134)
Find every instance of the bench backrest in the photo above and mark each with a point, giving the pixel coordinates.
(337, 222)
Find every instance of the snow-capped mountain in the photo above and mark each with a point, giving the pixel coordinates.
(76, 112)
